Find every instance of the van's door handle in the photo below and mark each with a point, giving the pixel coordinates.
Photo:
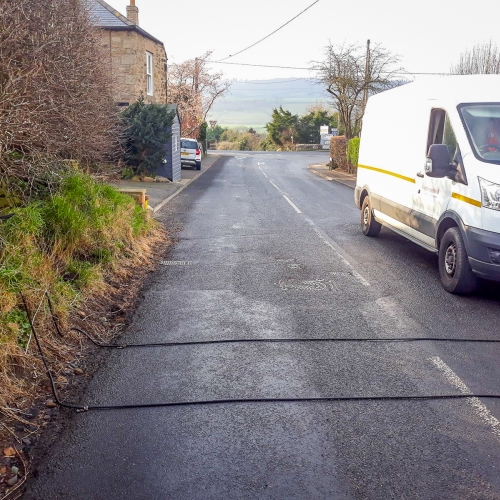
(420, 174)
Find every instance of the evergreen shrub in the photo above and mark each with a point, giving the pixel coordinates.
(353, 152)
(147, 131)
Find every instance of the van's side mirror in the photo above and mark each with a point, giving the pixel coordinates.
(438, 161)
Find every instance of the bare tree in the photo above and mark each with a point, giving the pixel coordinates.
(350, 74)
(483, 59)
(56, 91)
(194, 88)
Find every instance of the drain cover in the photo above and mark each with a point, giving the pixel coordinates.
(176, 263)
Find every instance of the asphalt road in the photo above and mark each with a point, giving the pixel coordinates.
(272, 251)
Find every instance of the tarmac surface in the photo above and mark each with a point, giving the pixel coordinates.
(266, 249)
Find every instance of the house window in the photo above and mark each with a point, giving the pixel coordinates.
(175, 143)
(149, 73)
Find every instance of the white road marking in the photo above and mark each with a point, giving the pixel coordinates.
(275, 186)
(265, 175)
(293, 204)
(286, 197)
(326, 241)
(479, 408)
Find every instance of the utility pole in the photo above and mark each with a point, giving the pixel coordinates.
(367, 77)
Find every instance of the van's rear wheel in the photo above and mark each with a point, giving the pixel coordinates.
(369, 225)
(454, 268)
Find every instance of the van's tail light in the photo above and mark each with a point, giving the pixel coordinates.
(197, 151)
(490, 194)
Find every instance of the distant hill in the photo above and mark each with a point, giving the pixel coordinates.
(251, 102)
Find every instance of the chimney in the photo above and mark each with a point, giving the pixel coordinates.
(133, 13)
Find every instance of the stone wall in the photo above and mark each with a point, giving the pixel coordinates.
(127, 50)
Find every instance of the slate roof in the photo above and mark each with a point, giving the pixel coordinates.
(106, 17)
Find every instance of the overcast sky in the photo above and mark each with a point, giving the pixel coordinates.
(429, 35)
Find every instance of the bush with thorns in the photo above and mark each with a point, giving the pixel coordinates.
(56, 91)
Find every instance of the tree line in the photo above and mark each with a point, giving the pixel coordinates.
(284, 131)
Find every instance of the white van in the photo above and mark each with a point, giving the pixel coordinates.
(429, 169)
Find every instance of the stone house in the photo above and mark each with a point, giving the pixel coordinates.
(138, 59)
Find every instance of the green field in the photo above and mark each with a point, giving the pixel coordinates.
(250, 104)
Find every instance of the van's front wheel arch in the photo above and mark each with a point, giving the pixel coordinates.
(454, 268)
(369, 225)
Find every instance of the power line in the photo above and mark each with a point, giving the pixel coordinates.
(408, 73)
(257, 65)
(270, 34)
(239, 89)
(279, 80)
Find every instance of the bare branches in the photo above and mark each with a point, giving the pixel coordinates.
(347, 75)
(55, 88)
(194, 88)
(483, 59)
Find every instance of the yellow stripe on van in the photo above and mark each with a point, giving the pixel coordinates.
(466, 199)
(408, 179)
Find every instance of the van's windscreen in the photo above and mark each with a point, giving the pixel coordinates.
(482, 123)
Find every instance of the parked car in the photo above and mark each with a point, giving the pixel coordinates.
(190, 152)
(429, 169)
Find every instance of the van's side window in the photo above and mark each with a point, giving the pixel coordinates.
(441, 131)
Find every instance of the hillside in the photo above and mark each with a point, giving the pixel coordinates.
(250, 103)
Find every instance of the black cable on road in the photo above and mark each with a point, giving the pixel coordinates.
(260, 341)
(282, 340)
(83, 408)
(40, 350)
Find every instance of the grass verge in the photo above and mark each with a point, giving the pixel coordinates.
(73, 245)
